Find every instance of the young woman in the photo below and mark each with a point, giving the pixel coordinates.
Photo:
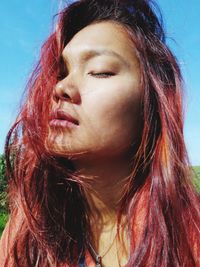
(99, 173)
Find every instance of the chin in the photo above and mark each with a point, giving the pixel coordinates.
(59, 147)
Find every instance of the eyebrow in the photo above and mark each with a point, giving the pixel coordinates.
(88, 54)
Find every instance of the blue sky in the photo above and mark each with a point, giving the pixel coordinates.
(26, 24)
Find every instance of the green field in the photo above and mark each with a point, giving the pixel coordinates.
(197, 177)
(3, 220)
(4, 216)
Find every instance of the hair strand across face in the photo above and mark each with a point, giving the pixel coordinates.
(47, 194)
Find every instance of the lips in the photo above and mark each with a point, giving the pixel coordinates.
(60, 118)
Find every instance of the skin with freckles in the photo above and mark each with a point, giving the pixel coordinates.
(102, 91)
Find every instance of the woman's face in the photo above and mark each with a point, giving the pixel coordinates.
(101, 90)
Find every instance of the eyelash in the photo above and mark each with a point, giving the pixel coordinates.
(100, 75)
(61, 75)
(107, 74)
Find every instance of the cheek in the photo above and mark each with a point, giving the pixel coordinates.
(114, 112)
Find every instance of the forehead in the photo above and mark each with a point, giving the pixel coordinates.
(102, 36)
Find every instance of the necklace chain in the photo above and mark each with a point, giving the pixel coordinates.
(98, 257)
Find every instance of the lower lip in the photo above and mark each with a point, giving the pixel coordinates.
(62, 123)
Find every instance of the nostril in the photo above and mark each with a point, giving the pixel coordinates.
(65, 95)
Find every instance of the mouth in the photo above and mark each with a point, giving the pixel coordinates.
(60, 118)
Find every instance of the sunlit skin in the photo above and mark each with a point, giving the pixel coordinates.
(103, 93)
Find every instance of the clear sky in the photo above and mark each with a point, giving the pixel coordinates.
(26, 24)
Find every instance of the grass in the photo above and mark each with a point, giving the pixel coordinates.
(197, 177)
(4, 215)
(3, 220)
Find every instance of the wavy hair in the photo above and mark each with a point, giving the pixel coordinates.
(44, 190)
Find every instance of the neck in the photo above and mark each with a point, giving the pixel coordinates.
(104, 187)
(105, 182)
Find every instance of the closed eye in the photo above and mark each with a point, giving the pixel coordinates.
(60, 77)
(102, 74)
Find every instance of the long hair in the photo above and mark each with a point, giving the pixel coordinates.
(44, 189)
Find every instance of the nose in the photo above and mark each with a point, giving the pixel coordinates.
(66, 90)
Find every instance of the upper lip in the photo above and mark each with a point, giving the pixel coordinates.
(59, 114)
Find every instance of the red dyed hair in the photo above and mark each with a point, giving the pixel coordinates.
(43, 188)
